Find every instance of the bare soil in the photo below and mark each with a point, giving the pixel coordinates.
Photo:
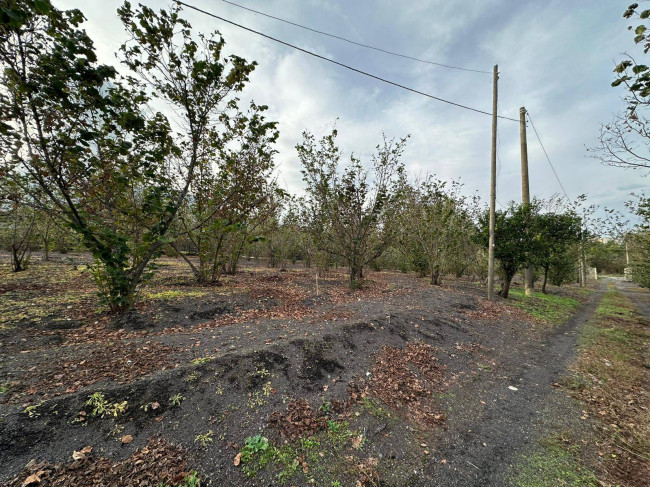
(421, 377)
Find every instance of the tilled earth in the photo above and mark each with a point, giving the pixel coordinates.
(399, 384)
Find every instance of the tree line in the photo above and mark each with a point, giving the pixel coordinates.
(90, 162)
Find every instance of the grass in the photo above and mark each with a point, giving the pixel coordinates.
(549, 308)
(175, 294)
(306, 456)
(610, 378)
(552, 464)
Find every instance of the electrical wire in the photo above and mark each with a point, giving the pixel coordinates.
(547, 158)
(354, 42)
(341, 64)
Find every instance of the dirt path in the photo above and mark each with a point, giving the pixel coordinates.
(481, 446)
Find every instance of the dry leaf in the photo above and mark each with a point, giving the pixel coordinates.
(81, 454)
(126, 439)
(237, 460)
(34, 478)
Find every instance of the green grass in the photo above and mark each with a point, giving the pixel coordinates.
(549, 308)
(552, 464)
(175, 294)
(287, 460)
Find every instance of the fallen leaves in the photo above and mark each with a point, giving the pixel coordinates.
(126, 439)
(122, 362)
(157, 463)
(404, 379)
(299, 420)
(237, 460)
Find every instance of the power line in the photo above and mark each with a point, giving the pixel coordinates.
(354, 42)
(341, 64)
(548, 158)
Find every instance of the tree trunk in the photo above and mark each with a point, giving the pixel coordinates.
(198, 275)
(505, 287)
(356, 274)
(16, 260)
(545, 280)
(435, 276)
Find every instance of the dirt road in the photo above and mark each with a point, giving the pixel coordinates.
(482, 445)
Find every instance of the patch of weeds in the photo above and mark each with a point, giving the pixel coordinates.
(553, 464)
(4, 388)
(306, 455)
(191, 480)
(176, 400)
(102, 407)
(256, 399)
(192, 377)
(374, 407)
(31, 411)
(175, 294)
(201, 360)
(205, 439)
(219, 389)
(549, 308)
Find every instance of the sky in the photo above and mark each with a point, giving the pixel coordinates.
(555, 58)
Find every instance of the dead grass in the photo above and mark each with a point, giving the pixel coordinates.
(612, 378)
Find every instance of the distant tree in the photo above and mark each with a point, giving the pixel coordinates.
(18, 220)
(639, 241)
(514, 245)
(231, 196)
(608, 256)
(436, 228)
(555, 236)
(350, 206)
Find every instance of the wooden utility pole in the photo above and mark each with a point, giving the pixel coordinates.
(493, 182)
(529, 274)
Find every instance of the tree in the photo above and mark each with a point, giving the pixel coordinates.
(436, 227)
(514, 245)
(114, 173)
(624, 141)
(18, 220)
(639, 242)
(555, 237)
(232, 194)
(349, 213)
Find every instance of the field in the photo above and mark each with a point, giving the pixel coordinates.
(273, 378)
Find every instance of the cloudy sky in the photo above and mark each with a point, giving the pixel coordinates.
(555, 58)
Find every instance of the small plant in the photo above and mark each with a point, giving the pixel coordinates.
(253, 445)
(262, 372)
(191, 480)
(176, 400)
(205, 439)
(201, 360)
(102, 408)
(193, 377)
(336, 483)
(31, 411)
(150, 405)
(256, 399)
(326, 408)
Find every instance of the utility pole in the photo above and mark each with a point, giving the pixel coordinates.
(493, 182)
(529, 274)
